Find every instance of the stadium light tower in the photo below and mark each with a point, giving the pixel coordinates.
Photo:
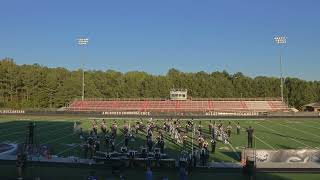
(281, 40)
(83, 42)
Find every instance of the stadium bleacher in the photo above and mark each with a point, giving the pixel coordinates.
(179, 106)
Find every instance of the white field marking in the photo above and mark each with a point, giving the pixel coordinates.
(57, 130)
(66, 150)
(240, 147)
(16, 127)
(224, 148)
(53, 140)
(318, 123)
(54, 125)
(284, 135)
(259, 138)
(23, 131)
(264, 142)
(305, 125)
(234, 151)
(19, 132)
(299, 130)
(119, 143)
(5, 125)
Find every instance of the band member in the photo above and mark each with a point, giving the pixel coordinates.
(114, 128)
(126, 140)
(229, 128)
(125, 128)
(250, 131)
(112, 144)
(149, 144)
(161, 145)
(214, 130)
(200, 141)
(91, 146)
(184, 140)
(210, 127)
(95, 127)
(75, 128)
(137, 127)
(205, 145)
(213, 145)
(200, 128)
(103, 127)
(107, 141)
(97, 146)
(203, 156)
(238, 128)
(194, 157)
(187, 127)
(85, 150)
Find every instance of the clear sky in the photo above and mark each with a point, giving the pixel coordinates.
(156, 35)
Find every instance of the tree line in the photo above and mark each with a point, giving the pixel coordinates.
(36, 86)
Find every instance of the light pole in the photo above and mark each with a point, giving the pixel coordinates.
(280, 40)
(82, 42)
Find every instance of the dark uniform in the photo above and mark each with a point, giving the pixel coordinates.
(213, 146)
(194, 158)
(238, 129)
(250, 131)
(126, 140)
(203, 156)
(103, 127)
(112, 145)
(213, 132)
(200, 128)
(95, 127)
(107, 140)
(210, 127)
(229, 128)
(31, 130)
(149, 144)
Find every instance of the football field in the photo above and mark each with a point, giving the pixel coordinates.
(57, 133)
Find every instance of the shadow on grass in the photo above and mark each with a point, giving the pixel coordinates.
(234, 155)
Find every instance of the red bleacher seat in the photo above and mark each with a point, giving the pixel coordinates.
(178, 106)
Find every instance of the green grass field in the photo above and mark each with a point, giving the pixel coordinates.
(57, 132)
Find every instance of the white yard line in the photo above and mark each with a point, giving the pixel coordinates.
(318, 123)
(309, 126)
(56, 130)
(25, 130)
(302, 124)
(21, 124)
(234, 151)
(285, 135)
(53, 140)
(66, 150)
(119, 143)
(264, 142)
(259, 139)
(20, 132)
(300, 130)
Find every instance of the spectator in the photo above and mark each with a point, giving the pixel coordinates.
(164, 178)
(149, 174)
(92, 176)
(183, 174)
